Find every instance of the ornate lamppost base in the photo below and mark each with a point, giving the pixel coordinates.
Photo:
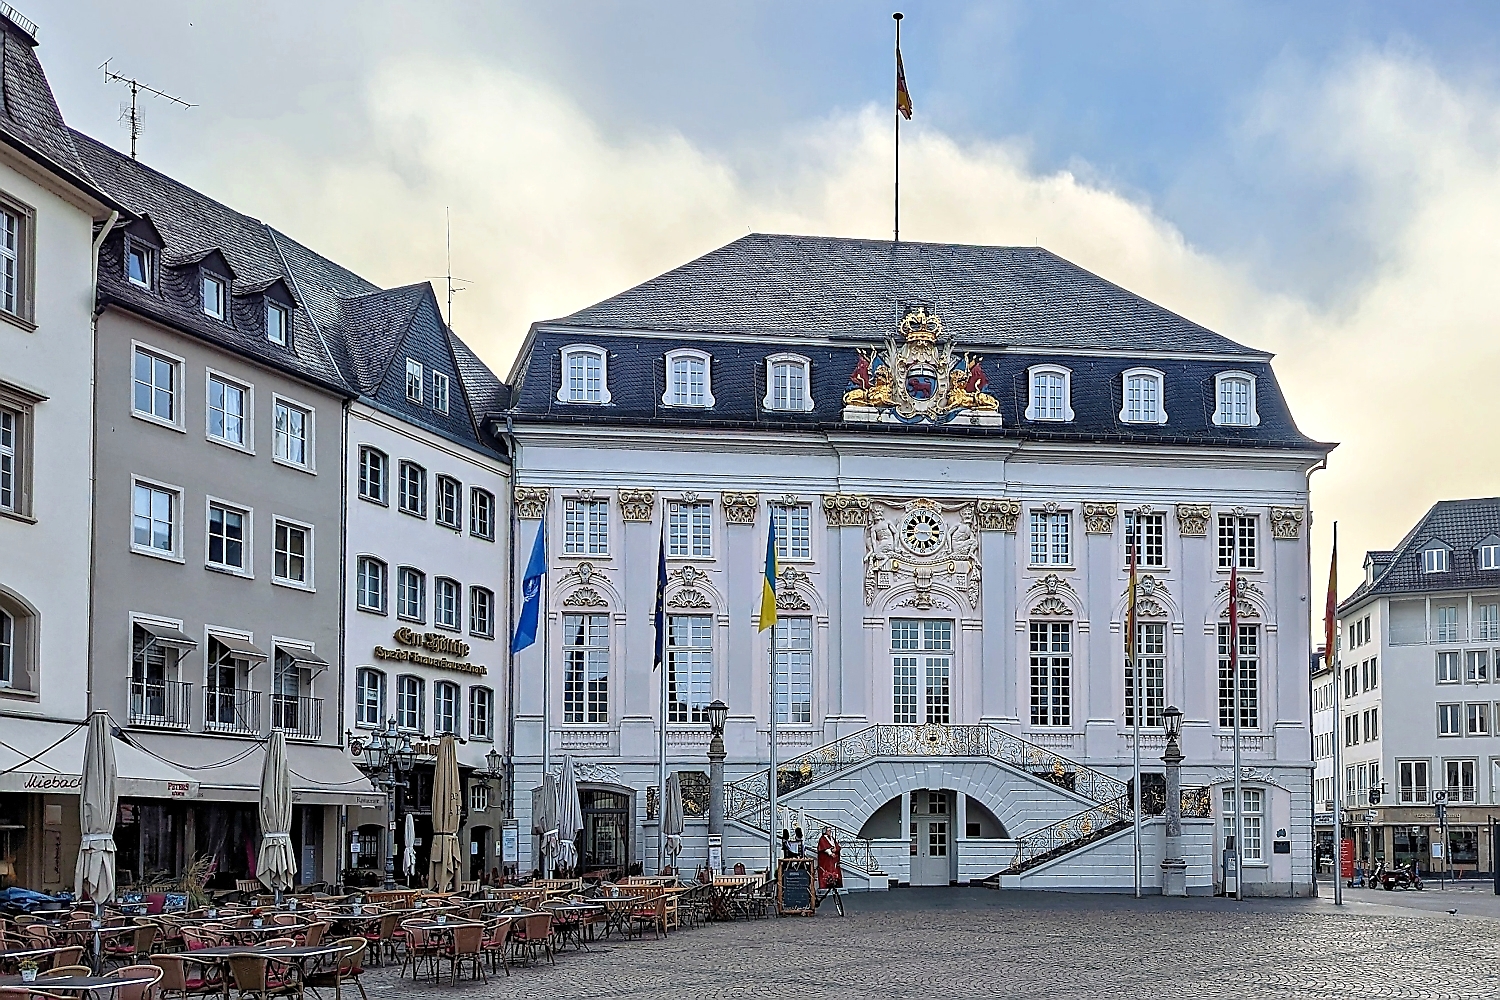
(1174, 877)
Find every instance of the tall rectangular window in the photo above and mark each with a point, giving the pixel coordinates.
(1478, 718)
(1450, 720)
(688, 381)
(793, 525)
(409, 702)
(904, 704)
(1251, 819)
(226, 537)
(1049, 538)
(1487, 620)
(584, 377)
(446, 606)
(1249, 667)
(291, 431)
(1489, 557)
(1051, 673)
(10, 466)
(226, 410)
(481, 714)
(414, 378)
(1151, 665)
(1411, 781)
(586, 527)
(585, 668)
(793, 644)
(293, 552)
(440, 392)
(154, 518)
(690, 660)
(373, 471)
(278, 322)
(1477, 666)
(1460, 775)
(370, 584)
(689, 529)
(1449, 669)
(1445, 623)
(449, 508)
(1236, 396)
(1237, 541)
(788, 385)
(411, 594)
(10, 261)
(922, 648)
(139, 259)
(155, 386)
(369, 697)
(481, 612)
(482, 514)
(413, 487)
(1048, 396)
(1142, 398)
(1146, 533)
(444, 708)
(215, 292)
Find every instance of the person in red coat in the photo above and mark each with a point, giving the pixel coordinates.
(830, 872)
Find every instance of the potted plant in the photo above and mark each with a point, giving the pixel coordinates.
(257, 917)
(28, 970)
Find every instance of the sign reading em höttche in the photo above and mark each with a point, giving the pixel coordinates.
(435, 642)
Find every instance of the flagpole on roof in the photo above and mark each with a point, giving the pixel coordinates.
(900, 90)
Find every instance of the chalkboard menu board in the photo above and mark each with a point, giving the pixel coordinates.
(796, 891)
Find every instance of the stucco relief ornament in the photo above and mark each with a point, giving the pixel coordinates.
(787, 597)
(997, 515)
(584, 597)
(739, 507)
(531, 502)
(922, 541)
(921, 380)
(689, 596)
(1099, 518)
(847, 510)
(637, 505)
(1192, 520)
(1246, 608)
(1286, 522)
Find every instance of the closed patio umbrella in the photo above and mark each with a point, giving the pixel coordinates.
(409, 850)
(447, 801)
(276, 865)
(671, 824)
(98, 805)
(544, 822)
(569, 815)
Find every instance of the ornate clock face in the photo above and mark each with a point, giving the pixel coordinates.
(922, 532)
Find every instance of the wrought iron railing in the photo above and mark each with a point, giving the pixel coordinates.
(1069, 834)
(934, 741)
(751, 810)
(299, 718)
(160, 703)
(231, 710)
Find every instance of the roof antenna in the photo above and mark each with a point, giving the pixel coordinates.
(131, 114)
(448, 219)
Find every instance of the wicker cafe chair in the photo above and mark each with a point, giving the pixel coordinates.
(464, 944)
(184, 976)
(349, 969)
(131, 948)
(312, 935)
(532, 933)
(71, 955)
(652, 912)
(144, 988)
(382, 937)
(496, 934)
(66, 970)
(262, 976)
(419, 945)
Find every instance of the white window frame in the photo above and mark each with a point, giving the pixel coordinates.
(1450, 666)
(219, 282)
(690, 666)
(176, 492)
(1236, 528)
(246, 543)
(475, 494)
(247, 418)
(479, 796)
(1219, 414)
(361, 479)
(781, 523)
(1456, 792)
(148, 262)
(21, 451)
(690, 529)
(798, 360)
(309, 434)
(587, 667)
(1161, 395)
(1477, 712)
(440, 585)
(360, 590)
(1032, 412)
(402, 496)
(586, 546)
(416, 380)
(488, 631)
(178, 421)
(1408, 790)
(1252, 822)
(421, 578)
(457, 521)
(447, 689)
(1489, 556)
(440, 392)
(564, 393)
(274, 308)
(793, 670)
(1050, 548)
(478, 694)
(419, 703)
(1444, 716)
(669, 394)
(360, 701)
(1435, 559)
(1143, 546)
(277, 522)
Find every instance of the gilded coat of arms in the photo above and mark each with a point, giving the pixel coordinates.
(920, 380)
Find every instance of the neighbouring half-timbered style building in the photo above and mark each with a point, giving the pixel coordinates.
(955, 446)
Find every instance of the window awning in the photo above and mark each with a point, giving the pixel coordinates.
(169, 635)
(44, 757)
(240, 648)
(304, 658)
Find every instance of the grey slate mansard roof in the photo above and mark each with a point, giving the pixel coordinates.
(824, 298)
(346, 330)
(1459, 524)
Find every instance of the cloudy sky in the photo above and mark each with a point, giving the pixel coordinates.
(1318, 180)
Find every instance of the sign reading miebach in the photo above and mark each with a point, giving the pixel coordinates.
(435, 642)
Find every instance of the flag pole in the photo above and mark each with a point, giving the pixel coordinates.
(897, 18)
(1234, 673)
(775, 789)
(660, 656)
(1139, 705)
(1330, 658)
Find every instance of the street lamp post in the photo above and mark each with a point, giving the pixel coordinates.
(718, 713)
(1173, 867)
(386, 757)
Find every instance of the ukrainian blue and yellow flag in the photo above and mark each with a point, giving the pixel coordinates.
(768, 585)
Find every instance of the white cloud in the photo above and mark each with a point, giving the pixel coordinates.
(550, 215)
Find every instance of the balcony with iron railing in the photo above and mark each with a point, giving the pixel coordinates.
(231, 710)
(160, 703)
(300, 718)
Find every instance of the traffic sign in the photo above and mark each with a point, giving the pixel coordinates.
(1371, 816)
(1439, 797)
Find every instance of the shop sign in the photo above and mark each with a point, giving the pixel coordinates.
(420, 647)
(370, 801)
(177, 789)
(53, 783)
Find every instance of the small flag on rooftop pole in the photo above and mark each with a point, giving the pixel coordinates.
(903, 96)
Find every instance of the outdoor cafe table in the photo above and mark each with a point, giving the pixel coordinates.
(303, 957)
(71, 983)
(9, 958)
(617, 910)
(573, 919)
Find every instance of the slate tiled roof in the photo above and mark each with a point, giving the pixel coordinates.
(786, 286)
(373, 326)
(1461, 525)
(487, 394)
(29, 117)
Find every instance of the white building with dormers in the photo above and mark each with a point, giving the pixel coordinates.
(954, 445)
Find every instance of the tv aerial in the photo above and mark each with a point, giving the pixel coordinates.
(131, 114)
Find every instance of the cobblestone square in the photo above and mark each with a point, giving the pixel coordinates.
(974, 942)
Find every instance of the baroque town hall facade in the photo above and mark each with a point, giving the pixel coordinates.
(955, 446)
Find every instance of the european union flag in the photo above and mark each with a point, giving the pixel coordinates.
(531, 592)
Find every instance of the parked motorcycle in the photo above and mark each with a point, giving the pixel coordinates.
(1398, 878)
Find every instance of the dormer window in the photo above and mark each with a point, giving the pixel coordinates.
(1051, 392)
(1143, 401)
(1489, 553)
(215, 295)
(1435, 559)
(140, 264)
(1235, 392)
(788, 383)
(688, 379)
(440, 392)
(414, 378)
(278, 322)
(585, 375)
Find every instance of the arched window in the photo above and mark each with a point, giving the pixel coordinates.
(481, 713)
(7, 649)
(1051, 392)
(585, 375)
(445, 708)
(413, 499)
(1143, 401)
(482, 612)
(447, 610)
(788, 383)
(373, 473)
(688, 379)
(411, 594)
(1235, 392)
(369, 697)
(409, 705)
(370, 585)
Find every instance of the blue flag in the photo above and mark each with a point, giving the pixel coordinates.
(661, 601)
(531, 592)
